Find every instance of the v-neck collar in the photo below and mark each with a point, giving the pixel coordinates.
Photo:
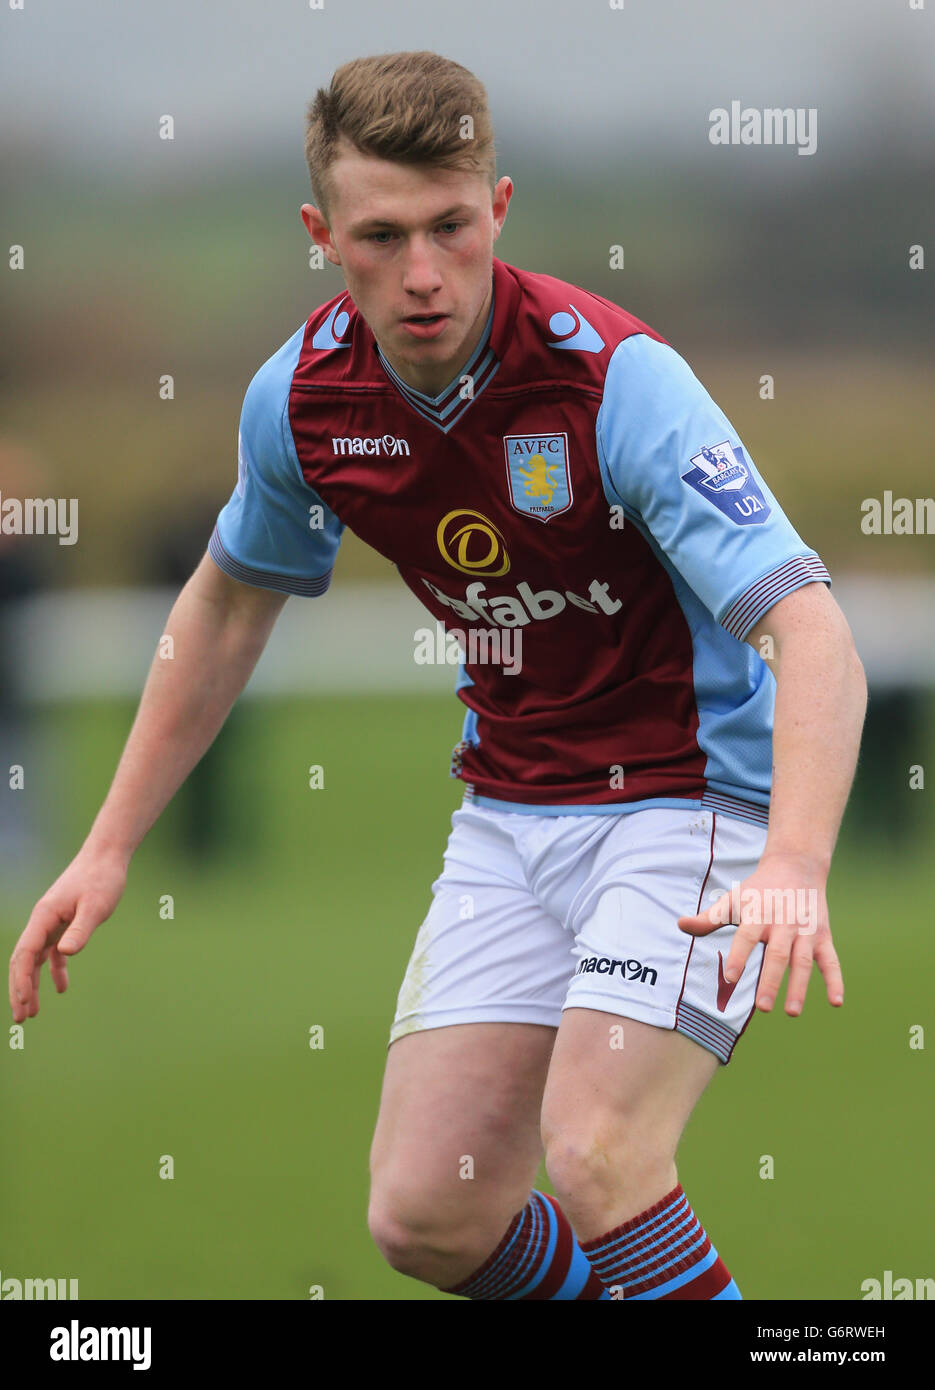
(447, 408)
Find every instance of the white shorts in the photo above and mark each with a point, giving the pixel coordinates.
(535, 914)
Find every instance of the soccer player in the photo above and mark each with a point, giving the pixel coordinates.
(652, 795)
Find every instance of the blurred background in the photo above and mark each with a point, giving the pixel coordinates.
(186, 1029)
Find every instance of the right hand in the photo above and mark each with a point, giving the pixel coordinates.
(60, 924)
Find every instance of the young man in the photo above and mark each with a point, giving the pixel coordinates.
(535, 461)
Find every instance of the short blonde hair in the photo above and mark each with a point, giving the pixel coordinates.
(409, 107)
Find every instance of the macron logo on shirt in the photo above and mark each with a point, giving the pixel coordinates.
(384, 444)
(573, 331)
(331, 332)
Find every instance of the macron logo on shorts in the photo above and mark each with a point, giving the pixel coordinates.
(629, 969)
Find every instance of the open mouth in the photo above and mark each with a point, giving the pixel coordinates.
(424, 318)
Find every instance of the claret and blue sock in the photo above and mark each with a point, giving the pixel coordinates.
(664, 1253)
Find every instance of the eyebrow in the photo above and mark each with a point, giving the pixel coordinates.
(376, 223)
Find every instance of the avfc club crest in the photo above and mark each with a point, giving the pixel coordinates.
(721, 474)
(537, 474)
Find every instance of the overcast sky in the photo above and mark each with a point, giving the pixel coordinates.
(91, 77)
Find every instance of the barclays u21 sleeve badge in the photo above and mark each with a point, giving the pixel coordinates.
(722, 474)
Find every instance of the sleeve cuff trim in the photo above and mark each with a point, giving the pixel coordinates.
(746, 611)
(264, 579)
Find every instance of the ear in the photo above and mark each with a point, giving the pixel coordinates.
(319, 231)
(501, 198)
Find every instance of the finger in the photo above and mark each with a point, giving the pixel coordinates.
(800, 971)
(747, 935)
(58, 970)
(717, 915)
(21, 973)
(11, 984)
(827, 960)
(775, 960)
(15, 1004)
(43, 923)
(35, 977)
(34, 980)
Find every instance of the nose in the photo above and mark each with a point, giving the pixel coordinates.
(420, 274)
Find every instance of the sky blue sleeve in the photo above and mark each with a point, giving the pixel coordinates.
(275, 532)
(670, 458)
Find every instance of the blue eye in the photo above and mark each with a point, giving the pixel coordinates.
(375, 236)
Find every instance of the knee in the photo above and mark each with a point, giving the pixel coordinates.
(425, 1241)
(404, 1247)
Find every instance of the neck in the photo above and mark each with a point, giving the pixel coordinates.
(433, 378)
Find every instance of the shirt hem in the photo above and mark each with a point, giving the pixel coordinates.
(724, 804)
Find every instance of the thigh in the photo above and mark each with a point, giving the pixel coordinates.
(458, 1129)
(487, 950)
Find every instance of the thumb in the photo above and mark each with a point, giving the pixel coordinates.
(79, 929)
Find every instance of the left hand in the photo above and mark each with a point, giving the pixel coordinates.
(783, 903)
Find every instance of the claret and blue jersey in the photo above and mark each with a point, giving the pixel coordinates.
(575, 481)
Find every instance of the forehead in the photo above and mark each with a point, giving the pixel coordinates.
(365, 187)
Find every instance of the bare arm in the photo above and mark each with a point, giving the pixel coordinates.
(821, 699)
(218, 629)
